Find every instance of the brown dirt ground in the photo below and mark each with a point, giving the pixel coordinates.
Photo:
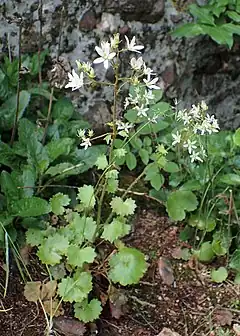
(190, 306)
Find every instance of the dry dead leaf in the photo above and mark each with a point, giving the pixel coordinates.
(168, 332)
(223, 317)
(48, 290)
(165, 271)
(52, 307)
(32, 291)
(117, 302)
(68, 326)
(24, 253)
(236, 329)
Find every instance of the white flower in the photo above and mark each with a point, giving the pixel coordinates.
(81, 133)
(190, 145)
(195, 157)
(147, 71)
(150, 83)
(176, 138)
(211, 124)
(204, 106)
(195, 111)
(136, 64)
(186, 118)
(124, 126)
(86, 143)
(75, 81)
(149, 95)
(105, 53)
(153, 120)
(126, 103)
(141, 111)
(131, 46)
(90, 133)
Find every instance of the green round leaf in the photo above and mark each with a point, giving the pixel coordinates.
(180, 201)
(127, 266)
(206, 252)
(237, 279)
(219, 275)
(235, 260)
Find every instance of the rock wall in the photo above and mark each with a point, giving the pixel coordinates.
(190, 69)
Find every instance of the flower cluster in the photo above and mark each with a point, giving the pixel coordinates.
(85, 136)
(196, 122)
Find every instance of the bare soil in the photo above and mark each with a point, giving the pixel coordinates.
(192, 305)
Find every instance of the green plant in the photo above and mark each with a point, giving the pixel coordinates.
(218, 18)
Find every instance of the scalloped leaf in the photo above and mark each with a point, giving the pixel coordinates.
(77, 256)
(86, 196)
(88, 312)
(76, 288)
(123, 208)
(53, 249)
(116, 229)
(127, 266)
(58, 202)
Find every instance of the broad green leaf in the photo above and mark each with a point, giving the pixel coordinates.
(59, 147)
(144, 155)
(28, 180)
(171, 167)
(27, 130)
(127, 266)
(76, 288)
(37, 155)
(9, 187)
(87, 158)
(123, 208)
(236, 137)
(58, 202)
(86, 196)
(37, 62)
(131, 161)
(202, 14)
(30, 207)
(235, 260)
(152, 128)
(64, 169)
(219, 275)
(219, 34)
(188, 30)
(191, 185)
(131, 115)
(115, 230)
(233, 15)
(88, 312)
(230, 179)
(78, 256)
(38, 91)
(53, 249)
(8, 157)
(179, 202)
(157, 181)
(9, 107)
(63, 109)
(136, 142)
(205, 253)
